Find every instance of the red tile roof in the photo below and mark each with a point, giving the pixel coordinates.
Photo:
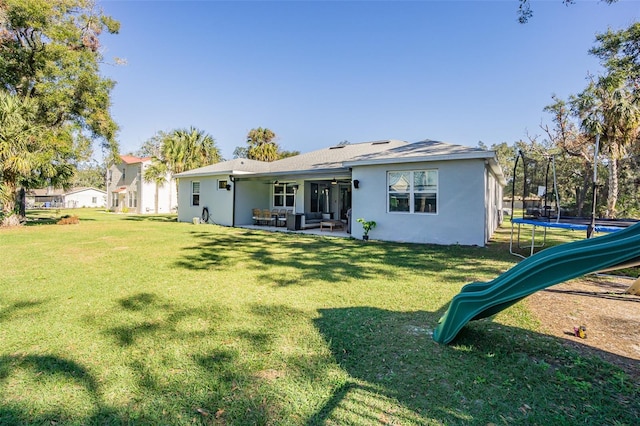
(130, 159)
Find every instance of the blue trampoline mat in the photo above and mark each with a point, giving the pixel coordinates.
(577, 224)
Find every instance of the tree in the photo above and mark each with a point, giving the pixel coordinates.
(156, 173)
(609, 108)
(152, 146)
(186, 149)
(576, 153)
(49, 66)
(262, 146)
(525, 13)
(286, 154)
(241, 152)
(619, 52)
(19, 137)
(90, 174)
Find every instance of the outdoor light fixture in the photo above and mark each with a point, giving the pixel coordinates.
(334, 181)
(275, 183)
(228, 187)
(356, 184)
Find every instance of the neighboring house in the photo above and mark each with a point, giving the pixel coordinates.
(423, 192)
(59, 198)
(44, 197)
(127, 191)
(85, 197)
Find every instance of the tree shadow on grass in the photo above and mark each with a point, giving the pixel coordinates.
(490, 374)
(23, 307)
(50, 369)
(151, 218)
(308, 258)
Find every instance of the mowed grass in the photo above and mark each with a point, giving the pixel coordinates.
(142, 320)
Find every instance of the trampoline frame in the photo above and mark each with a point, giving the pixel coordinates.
(547, 224)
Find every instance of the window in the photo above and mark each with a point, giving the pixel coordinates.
(413, 191)
(195, 193)
(222, 185)
(283, 195)
(94, 200)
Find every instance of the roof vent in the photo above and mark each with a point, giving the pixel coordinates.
(379, 143)
(336, 147)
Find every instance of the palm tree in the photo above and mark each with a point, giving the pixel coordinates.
(186, 149)
(261, 145)
(20, 155)
(156, 173)
(609, 108)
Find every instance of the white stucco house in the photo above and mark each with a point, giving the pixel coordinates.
(127, 191)
(422, 192)
(85, 197)
(59, 198)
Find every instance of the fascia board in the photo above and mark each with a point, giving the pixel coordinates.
(421, 159)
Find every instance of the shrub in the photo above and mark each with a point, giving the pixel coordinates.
(69, 220)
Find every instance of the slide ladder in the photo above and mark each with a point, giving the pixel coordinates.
(544, 269)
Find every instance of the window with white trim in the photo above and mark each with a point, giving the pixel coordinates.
(413, 191)
(195, 193)
(222, 184)
(283, 195)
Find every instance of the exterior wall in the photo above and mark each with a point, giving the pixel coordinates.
(460, 203)
(85, 199)
(130, 177)
(219, 202)
(123, 175)
(251, 194)
(493, 203)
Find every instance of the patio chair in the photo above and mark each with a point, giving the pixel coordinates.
(282, 217)
(267, 217)
(256, 216)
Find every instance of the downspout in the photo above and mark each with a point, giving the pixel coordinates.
(233, 202)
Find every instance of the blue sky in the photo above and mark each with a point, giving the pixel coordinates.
(317, 73)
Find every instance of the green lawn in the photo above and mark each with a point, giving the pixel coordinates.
(143, 320)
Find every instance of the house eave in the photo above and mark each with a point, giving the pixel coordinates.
(421, 159)
(189, 174)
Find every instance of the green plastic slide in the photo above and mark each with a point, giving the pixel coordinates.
(544, 269)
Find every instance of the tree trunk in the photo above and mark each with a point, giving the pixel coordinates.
(156, 198)
(9, 198)
(612, 198)
(582, 194)
(9, 216)
(22, 203)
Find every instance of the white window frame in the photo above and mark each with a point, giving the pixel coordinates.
(412, 192)
(288, 194)
(222, 184)
(193, 192)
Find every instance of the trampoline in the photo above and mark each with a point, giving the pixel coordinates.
(570, 223)
(543, 213)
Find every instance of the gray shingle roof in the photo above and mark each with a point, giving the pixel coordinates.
(341, 157)
(236, 166)
(330, 158)
(426, 150)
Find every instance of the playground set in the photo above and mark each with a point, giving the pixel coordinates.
(618, 248)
